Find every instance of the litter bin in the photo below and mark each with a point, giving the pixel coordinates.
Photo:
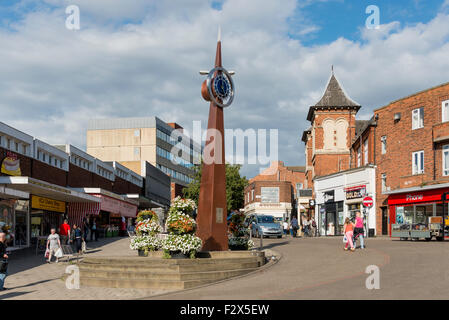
(371, 233)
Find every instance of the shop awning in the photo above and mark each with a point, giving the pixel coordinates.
(114, 203)
(417, 189)
(77, 210)
(46, 190)
(8, 193)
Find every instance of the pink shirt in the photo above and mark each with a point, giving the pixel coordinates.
(358, 222)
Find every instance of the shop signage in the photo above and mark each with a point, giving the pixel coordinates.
(433, 195)
(368, 202)
(414, 197)
(355, 192)
(312, 203)
(47, 204)
(329, 196)
(11, 165)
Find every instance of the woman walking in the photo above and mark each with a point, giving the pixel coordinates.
(349, 233)
(359, 233)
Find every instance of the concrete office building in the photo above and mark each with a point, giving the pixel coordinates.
(133, 140)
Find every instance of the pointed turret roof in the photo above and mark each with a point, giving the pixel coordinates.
(334, 97)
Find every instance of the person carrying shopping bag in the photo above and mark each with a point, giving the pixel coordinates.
(53, 246)
(349, 233)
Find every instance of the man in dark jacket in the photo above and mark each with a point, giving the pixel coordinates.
(3, 261)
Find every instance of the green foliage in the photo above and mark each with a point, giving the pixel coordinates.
(235, 186)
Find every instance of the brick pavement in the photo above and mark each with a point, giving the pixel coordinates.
(310, 268)
(31, 278)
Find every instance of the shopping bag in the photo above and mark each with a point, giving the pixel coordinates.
(345, 239)
(47, 253)
(58, 253)
(83, 247)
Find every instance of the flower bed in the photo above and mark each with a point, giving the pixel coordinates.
(181, 227)
(238, 234)
(147, 230)
(187, 244)
(180, 223)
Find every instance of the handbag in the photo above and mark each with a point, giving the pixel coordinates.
(83, 247)
(47, 253)
(345, 239)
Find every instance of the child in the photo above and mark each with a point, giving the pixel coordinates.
(349, 232)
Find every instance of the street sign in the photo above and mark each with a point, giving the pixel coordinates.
(312, 203)
(368, 202)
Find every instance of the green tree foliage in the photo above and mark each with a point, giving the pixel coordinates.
(235, 186)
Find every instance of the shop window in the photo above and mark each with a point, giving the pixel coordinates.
(445, 111)
(418, 118)
(418, 162)
(446, 160)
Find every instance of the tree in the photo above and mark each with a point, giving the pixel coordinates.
(235, 186)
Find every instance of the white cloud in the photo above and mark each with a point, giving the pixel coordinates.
(53, 80)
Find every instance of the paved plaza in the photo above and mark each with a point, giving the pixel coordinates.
(311, 268)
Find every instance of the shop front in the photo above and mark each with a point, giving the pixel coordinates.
(14, 217)
(114, 208)
(340, 196)
(46, 209)
(416, 209)
(45, 214)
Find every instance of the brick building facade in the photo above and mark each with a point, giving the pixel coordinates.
(277, 191)
(410, 137)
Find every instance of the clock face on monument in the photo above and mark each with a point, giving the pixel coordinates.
(222, 87)
(218, 87)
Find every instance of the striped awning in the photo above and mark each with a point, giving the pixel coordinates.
(78, 210)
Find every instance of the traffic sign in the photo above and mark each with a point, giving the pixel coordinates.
(368, 202)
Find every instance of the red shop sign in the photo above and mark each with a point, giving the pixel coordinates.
(433, 195)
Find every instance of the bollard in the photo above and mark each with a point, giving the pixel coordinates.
(261, 240)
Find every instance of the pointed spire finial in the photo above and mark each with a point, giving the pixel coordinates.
(332, 69)
(219, 34)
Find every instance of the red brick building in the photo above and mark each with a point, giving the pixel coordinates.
(278, 191)
(333, 127)
(412, 155)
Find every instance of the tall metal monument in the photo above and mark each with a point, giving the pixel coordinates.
(218, 88)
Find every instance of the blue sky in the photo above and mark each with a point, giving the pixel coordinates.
(141, 58)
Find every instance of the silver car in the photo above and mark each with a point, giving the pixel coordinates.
(264, 225)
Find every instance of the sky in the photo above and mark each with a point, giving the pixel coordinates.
(141, 58)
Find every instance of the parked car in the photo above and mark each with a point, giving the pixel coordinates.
(263, 224)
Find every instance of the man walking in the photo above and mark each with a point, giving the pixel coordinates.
(64, 232)
(85, 227)
(3, 261)
(53, 245)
